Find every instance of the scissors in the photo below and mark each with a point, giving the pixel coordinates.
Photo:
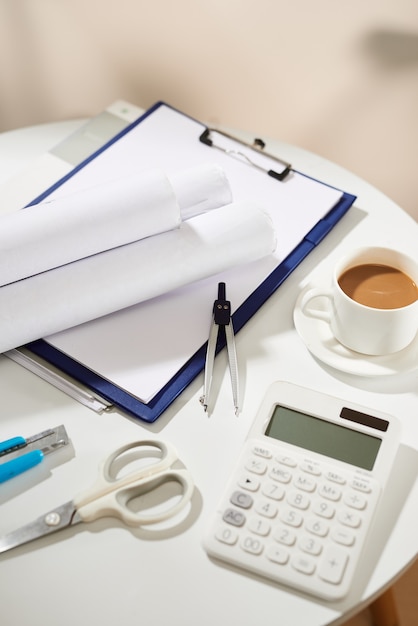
(221, 319)
(111, 495)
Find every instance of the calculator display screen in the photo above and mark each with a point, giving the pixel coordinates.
(319, 435)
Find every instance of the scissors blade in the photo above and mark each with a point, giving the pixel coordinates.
(50, 522)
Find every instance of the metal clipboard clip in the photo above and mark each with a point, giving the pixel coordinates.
(221, 320)
(252, 154)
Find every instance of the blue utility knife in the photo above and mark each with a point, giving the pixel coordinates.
(22, 454)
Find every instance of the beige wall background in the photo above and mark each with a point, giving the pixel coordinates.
(335, 77)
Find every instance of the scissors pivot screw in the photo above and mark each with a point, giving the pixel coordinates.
(53, 519)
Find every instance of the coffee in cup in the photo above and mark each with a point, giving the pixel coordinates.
(378, 286)
(372, 302)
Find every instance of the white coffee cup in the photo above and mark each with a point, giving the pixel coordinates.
(365, 328)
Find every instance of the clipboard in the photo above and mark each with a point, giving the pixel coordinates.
(157, 129)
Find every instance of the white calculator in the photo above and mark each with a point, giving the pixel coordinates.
(300, 503)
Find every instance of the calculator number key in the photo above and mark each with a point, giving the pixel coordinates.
(284, 535)
(317, 527)
(310, 545)
(298, 500)
(324, 509)
(266, 508)
(259, 526)
(291, 518)
(227, 535)
(273, 490)
(252, 545)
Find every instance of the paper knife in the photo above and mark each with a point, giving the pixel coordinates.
(22, 454)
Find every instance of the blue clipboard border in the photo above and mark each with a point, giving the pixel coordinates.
(150, 411)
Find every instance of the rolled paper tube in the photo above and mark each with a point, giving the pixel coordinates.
(98, 285)
(201, 189)
(51, 234)
(73, 227)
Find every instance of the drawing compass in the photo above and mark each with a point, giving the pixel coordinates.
(221, 329)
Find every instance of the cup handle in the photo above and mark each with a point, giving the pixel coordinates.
(316, 292)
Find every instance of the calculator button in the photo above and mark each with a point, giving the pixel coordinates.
(252, 545)
(256, 465)
(259, 526)
(273, 490)
(298, 500)
(361, 485)
(335, 478)
(286, 460)
(324, 509)
(305, 483)
(303, 564)
(317, 526)
(226, 535)
(234, 517)
(283, 476)
(284, 535)
(310, 545)
(248, 482)
(266, 508)
(330, 492)
(349, 518)
(261, 451)
(340, 535)
(311, 468)
(277, 555)
(333, 564)
(291, 518)
(355, 500)
(241, 499)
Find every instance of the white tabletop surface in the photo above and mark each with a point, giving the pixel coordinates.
(105, 573)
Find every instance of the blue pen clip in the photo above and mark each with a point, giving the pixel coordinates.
(24, 454)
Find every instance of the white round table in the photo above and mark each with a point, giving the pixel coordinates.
(105, 573)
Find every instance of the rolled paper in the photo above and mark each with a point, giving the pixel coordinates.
(201, 189)
(51, 234)
(64, 297)
(66, 229)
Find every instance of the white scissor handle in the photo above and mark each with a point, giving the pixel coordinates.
(165, 453)
(110, 496)
(116, 503)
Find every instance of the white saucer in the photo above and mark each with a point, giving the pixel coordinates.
(318, 338)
